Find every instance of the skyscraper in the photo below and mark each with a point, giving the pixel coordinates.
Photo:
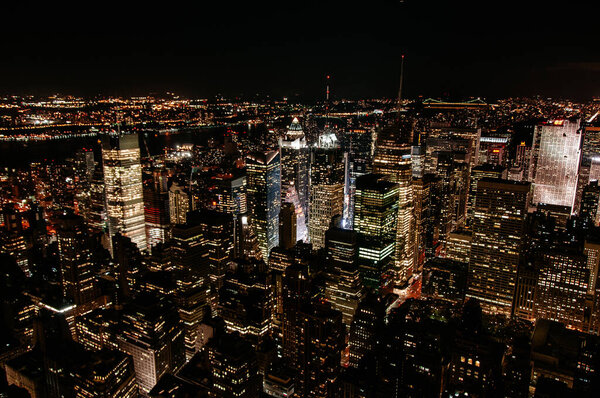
(563, 279)
(264, 197)
(234, 367)
(326, 188)
(555, 162)
(393, 158)
(295, 165)
(287, 226)
(477, 173)
(179, 203)
(156, 209)
(77, 273)
(498, 230)
(123, 185)
(229, 193)
(358, 144)
(343, 287)
(151, 333)
(375, 218)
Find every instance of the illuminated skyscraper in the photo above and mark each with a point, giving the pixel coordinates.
(326, 188)
(123, 185)
(555, 162)
(358, 144)
(264, 197)
(563, 279)
(77, 274)
(320, 341)
(498, 230)
(229, 194)
(590, 201)
(343, 287)
(96, 217)
(156, 209)
(393, 158)
(179, 203)
(366, 328)
(152, 334)
(295, 165)
(375, 218)
(477, 173)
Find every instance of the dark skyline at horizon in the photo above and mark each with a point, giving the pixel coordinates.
(453, 50)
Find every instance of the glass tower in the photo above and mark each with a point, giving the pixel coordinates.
(123, 187)
(264, 197)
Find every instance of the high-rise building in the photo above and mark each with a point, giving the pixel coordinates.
(327, 176)
(590, 201)
(498, 230)
(393, 158)
(375, 218)
(295, 165)
(555, 162)
(287, 225)
(105, 373)
(233, 366)
(123, 187)
(320, 341)
(76, 266)
(96, 217)
(156, 209)
(246, 301)
(562, 287)
(366, 328)
(151, 333)
(217, 231)
(590, 159)
(229, 193)
(179, 203)
(343, 287)
(424, 220)
(83, 170)
(477, 173)
(264, 197)
(458, 246)
(445, 279)
(358, 144)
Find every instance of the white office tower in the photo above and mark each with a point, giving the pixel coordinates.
(123, 187)
(327, 177)
(555, 162)
(295, 165)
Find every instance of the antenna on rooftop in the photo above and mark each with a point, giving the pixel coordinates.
(400, 88)
(327, 102)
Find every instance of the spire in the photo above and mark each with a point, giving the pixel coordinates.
(400, 88)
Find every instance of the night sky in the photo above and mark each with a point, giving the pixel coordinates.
(453, 49)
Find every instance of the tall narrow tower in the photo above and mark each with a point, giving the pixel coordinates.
(393, 159)
(264, 197)
(123, 187)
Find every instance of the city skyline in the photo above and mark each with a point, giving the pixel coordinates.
(299, 200)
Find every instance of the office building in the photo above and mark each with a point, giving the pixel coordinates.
(264, 197)
(295, 166)
(152, 334)
(498, 231)
(555, 161)
(327, 177)
(393, 158)
(375, 218)
(343, 287)
(123, 187)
